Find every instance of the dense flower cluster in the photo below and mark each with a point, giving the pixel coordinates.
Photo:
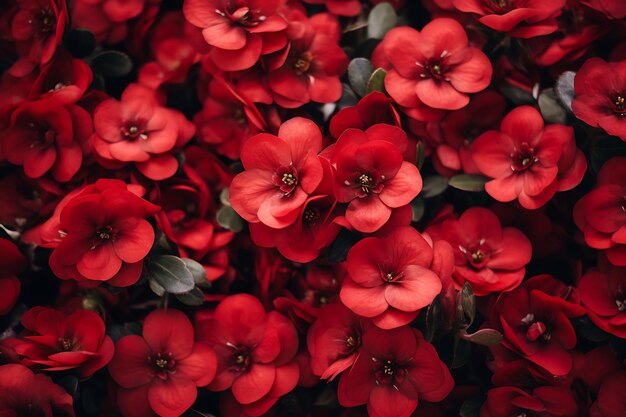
(319, 208)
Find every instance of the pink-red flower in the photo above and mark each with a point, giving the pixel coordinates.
(371, 175)
(23, 393)
(389, 278)
(600, 99)
(491, 258)
(103, 235)
(394, 370)
(12, 262)
(601, 214)
(528, 161)
(256, 352)
(280, 172)
(159, 372)
(434, 66)
(239, 32)
(55, 341)
(518, 18)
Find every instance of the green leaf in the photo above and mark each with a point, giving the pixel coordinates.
(417, 209)
(381, 20)
(564, 88)
(170, 272)
(471, 407)
(468, 303)
(156, 288)
(434, 186)
(228, 218)
(551, 108)
(112, 64)
(225, 197)
(421, 155)
(197, 270)
(461, 353)
(483, 337)
(348, 97)
(433, 317)
(194, 297)
(80, 42)
(359, 72)
(376, 81)
(468, 182)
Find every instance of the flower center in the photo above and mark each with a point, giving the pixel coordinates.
(163, 364)
(103, 234)
(241, 15)
(388, 372)
(66, 345)
(311, 215)
(240, 359)
(133, 132)
(392, 277)
(621, 305)
(303, 63)
(523, 158)
(536, 328)
(478, 255)
(47, 21)
(498, 6)
(365, 181)
(286, 179)
(619, 106)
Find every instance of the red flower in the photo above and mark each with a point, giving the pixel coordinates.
(281, 171)
(312, 69)
(518, 18)
(600, 99)
(40, 25)
(240, 32)
(528, 161)
(228, 119)
(600, 214)
(12, 262)
(24, 393)
(256, 352)
(106, 19)
(64, 80)
(394, 369)
(390, 278)
(603, 293)
(491, 258)
(371, 175)
(613, 9)
(334, 340)
(547, 401)
(46, 137)
(435, 66)
(611, 401)
(161, 368)
(104, 235)
(54, 341)
(372, 109)
(340, 7)
(534, 319)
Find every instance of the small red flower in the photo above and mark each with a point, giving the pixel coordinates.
(45, 136)
(371, 175)
(334, 340)
(340, 7)
(281, 171)
(434, 66)
(372, 109)
(54, 341)
(104, 236)
(549, 401)
(12, 262)
(239, 32)
(106, 19)
(389, 278)
(394, 369)
(600, 99)
(491, 258)
(601, 214)
(137, 130)
(603, 293)
(24, 393)
(161, 368)
(527, 161)
(518, 18)
(64, 80)
(256, 352)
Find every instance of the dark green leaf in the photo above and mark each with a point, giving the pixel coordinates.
(483, 337)
(228, 218)
(461, 355)
(471, 407)
(170, 272)
(80, 42)
(376, 81)
(421, 155)
(417, 208)
(348, 97)
(434, 186)
(550, 107)
(112, 64)
(381, 20)
(156, 287)
(194, 297)
(197, 270)
(359, 72)
(585, 327)
(117, 331)
(468, 182)
(433, 317)
(517, 95)
(565, 89)
(468, 303)
(340, 247)
(225, 197)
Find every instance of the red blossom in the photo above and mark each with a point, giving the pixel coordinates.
(161, 368)
(12, 262)
(603, 293)
(528, 161)
(547, 401)
(340, 7)
(611, 401)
